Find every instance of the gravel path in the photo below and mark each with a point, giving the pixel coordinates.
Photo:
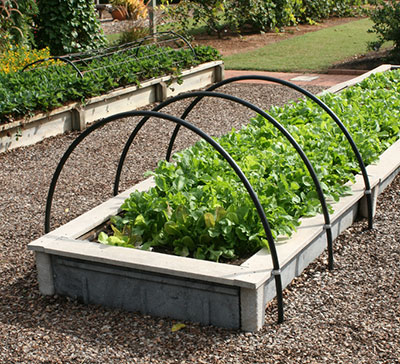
(350, 315)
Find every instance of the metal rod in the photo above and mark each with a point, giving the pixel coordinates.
(168, 32)
(152, 17)
(56, 58)
(288, 136)
(209, 140)
(311, 96)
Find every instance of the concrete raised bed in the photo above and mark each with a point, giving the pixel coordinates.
(76, 116)
(184, 288)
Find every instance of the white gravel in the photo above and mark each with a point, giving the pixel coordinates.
(350, 315)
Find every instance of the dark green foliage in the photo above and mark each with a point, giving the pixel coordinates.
(68, 26)
(255, 15)
(314, 10)
(190, 13)
(199, 207)
(16, 22)
(42, 89)
(386, 18)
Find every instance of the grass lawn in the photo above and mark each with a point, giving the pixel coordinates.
(314, 51)
(113, 37)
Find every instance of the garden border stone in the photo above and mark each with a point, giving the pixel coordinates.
(184, 288)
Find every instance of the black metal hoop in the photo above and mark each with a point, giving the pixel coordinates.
(79, 56)
(167, 32)
(275, 260)
(55, 58)
(311, 96)
(299, 150)
(135, 45)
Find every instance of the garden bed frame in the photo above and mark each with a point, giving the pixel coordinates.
(76, 116)
(188, 289)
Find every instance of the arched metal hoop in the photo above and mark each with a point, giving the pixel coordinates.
(216, 146)
(153, 36)
(55, 58)
(135, 45)
(308, 94)
(74, 57)
(299, 150)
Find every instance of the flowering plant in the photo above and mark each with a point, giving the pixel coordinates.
(14, 59)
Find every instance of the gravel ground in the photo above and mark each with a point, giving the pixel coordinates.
(349, 315)
(116, 26)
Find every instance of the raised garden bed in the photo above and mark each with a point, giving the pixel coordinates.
(54, 94)
(76, 116)
(183, 288)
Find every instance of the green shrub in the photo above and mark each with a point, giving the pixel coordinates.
(259, 15)
(386, 18)
(314, 10)
(16, 23)
(255, 15)
(189, 13)
(68, 26)
(266, 14)
(199, 207)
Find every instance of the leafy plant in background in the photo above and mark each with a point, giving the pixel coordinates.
(261, 15)
(315, 10)
(16, 23)
(133, 34)
(44, 88)
(139, 31)
(188, 13)
(6, 24)
(254, 15)
(68, 26)
(386, 18)
(199, 208)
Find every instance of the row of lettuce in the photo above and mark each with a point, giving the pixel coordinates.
(45, 88)
(199, 208)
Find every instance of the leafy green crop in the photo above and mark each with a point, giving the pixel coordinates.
(43, 89)
(199, 207)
